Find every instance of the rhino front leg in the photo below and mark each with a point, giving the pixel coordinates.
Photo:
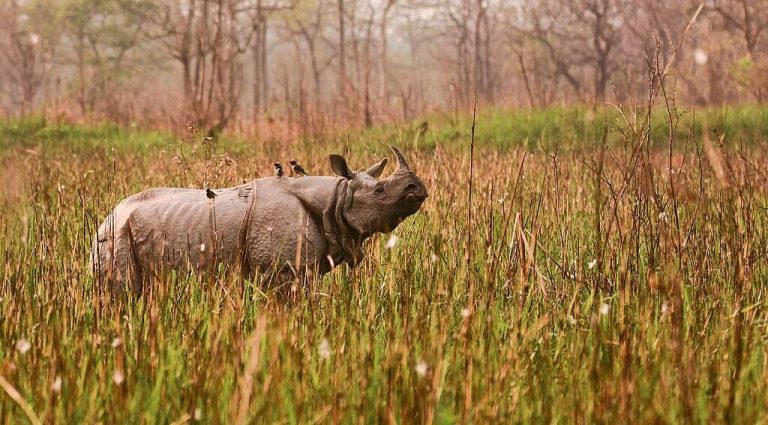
(288, 284)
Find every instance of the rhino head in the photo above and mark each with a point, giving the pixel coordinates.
(375, 205)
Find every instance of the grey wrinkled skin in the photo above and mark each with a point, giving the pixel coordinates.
(282, 227)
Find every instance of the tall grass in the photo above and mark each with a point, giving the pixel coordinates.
(608, 282)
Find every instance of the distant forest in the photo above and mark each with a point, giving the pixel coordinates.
(311, 65)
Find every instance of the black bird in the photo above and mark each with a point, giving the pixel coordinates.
(278, 169)
(209, 194)
(297, 168)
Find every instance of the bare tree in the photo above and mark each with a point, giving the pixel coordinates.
(383, 65)
(342, 11)
(579, 36)
(260, 11)
(25, 52)
(482, 38)
(748, 18)
(459, 16)
(468, 25)
(307, 26)
(366, 67)
(101, 36)
(208, 39)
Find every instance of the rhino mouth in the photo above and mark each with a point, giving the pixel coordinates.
(413, 198)
(413, 195)
(409, 205)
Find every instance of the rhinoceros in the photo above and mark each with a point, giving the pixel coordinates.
(278, 226)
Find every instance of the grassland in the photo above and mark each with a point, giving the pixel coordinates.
(593, 277)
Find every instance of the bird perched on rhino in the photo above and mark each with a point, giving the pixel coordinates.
(297, 170)
(278, 169)
(255, 229)
(210, 195)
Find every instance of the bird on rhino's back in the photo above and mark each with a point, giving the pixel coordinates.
(272, 225)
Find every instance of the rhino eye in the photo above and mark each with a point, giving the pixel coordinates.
(379, 189)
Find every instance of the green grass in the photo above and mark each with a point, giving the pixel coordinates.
(573, 128)
(563, 128)
(589, 296)
(36, 132)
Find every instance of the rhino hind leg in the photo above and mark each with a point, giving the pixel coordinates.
(115, 261)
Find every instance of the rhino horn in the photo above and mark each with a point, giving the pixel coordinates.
(402, 164)
(376, 169)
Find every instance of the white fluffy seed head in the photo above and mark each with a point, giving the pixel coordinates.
(421, 368)
(324, 349)
(22, 346)
(56, 385)
(118, 377)
(700, 56)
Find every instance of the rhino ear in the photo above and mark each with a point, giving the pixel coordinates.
(378, 168)
(340, 167)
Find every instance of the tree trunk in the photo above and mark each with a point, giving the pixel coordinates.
(368, 113)
(479, 74)
(489, 78)
(342, 51)
(316, 72)
(81, 75)
(264, 69)
(260, 82)
(383, 59)
(257, 75)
